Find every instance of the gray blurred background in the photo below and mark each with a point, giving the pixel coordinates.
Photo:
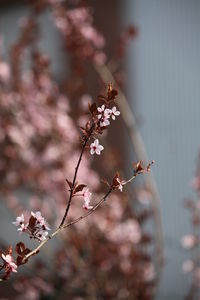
(163, 66)
(164, 83)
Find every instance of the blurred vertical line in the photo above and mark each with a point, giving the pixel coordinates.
(141, 154)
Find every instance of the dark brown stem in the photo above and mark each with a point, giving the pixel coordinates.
(75, 175)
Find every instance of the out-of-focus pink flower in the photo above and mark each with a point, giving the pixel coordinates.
(188, 266)
(96, 147)
(9, 261)
(188, 241)
(149, 272)
(85, 99)
(195, 183)
(128, 231)
(87, 197)
(99, 58)
(144, 197)
(197, 276)
(4, 72)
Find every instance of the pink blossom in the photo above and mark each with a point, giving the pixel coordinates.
(96, 147)
(103, 116)
(38, 216)
(104, 121)
(114, 112)
(4, 72)
(197, 276)
(121, 183)
(149, 272)
(195, 183)
(188, 241)
(188, 266)
(128, 231)
(9, 261)
(41, 235)
(144, 196)
(22, 228)
(101, 110)
(19, 220)
(40, 220)
(100, 58)
(87, 196)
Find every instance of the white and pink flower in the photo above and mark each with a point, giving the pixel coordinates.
(19, 220)
(41, 235)
(121, 183)
(95, 147)
(37, 229)
(22, 227)
(114, 113)
(103, 116)
(9, 262)
(87, 197)
(101, 110)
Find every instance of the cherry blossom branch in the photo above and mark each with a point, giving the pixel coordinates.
(103, 199)
(36, 250)
(37, 226)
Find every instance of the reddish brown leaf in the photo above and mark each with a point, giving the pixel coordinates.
(20, 247)
(92, 108)
(19, 260)
(138, 167)
(83, 130)
(79, 188)
(69, 183)
(111, 93)
(116, 180)
(32, 222)
(102, 97)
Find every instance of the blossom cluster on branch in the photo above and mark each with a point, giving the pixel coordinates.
(40, 147)
(37, 226)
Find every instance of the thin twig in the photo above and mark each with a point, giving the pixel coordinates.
(75, 176)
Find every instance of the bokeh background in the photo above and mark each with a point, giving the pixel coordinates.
(162, 67)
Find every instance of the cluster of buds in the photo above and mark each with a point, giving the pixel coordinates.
(36, 227)
(101, 116)
(105, 114)
(138, 168)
